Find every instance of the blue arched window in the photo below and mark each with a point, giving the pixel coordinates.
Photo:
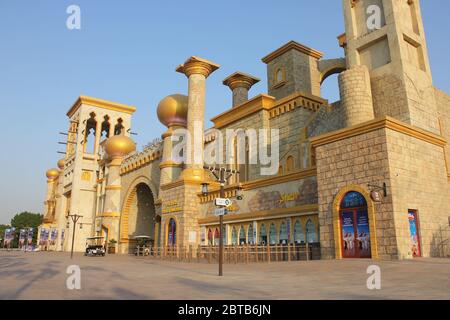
(242, 239)
(273, 234)
(311, 234)
(251, 239)
(299, 235)
(283, 234)
(234, 240)
(263, 235)
(353, 199)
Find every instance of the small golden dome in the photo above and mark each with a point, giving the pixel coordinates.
(119, 145)
(52, 174)
(173, 110)
(61, 164)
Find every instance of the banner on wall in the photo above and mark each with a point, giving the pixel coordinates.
(53, 237)
(6, 240)
(30, 236)
(22, 236)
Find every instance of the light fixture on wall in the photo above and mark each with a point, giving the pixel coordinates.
(205, 189)
(239, 195)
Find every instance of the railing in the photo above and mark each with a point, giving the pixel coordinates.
(238, 254)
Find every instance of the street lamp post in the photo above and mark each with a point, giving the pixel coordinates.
(222, 175)
(74, 218)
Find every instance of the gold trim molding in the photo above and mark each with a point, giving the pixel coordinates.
(101, 104)
(292, 45)
(381, 123)
(258, 103)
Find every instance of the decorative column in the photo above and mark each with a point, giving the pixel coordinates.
(240, 83)
(116, 147)
(172, 112)
(197, 70)
(52, 176)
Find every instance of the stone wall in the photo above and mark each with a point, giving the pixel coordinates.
(358, 160)
(416, 178)
(418, 182)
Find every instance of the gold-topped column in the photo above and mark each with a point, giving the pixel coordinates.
(172, 112)
(197, 70)
(240, 83)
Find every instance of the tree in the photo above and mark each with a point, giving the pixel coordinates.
(26, 220)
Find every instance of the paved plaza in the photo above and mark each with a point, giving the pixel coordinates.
(43, 276)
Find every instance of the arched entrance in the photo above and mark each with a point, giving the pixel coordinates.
(139, 215)
(354, 222)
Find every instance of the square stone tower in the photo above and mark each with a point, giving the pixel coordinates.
(91, 121)
(388, 37)
(293, 68)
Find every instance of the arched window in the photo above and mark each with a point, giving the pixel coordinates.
(311, 234)
(242, 239)
(283, 233)
(216, 237)
(234, 240)
(279, 76)
(289, 164)
(210, 237)
(105, 128)
(299, 235)
(273, 234)
(119, 128)
(263, 235)
(172, 233)
(90, 133)
(251, 239)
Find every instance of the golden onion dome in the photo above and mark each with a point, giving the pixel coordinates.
(173, 110)
(52, 174)
(61, 164)
(119, 145)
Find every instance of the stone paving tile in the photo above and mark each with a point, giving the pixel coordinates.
(43, 276)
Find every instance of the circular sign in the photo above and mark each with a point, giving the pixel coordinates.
(376, 196)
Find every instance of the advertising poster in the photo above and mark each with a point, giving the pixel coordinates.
(30, 237)
(53, 236)
(363, 234)
(22, 236)
(414, 235)
(348, 234)
(6, 238)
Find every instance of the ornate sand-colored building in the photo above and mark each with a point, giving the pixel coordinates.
(388, 133)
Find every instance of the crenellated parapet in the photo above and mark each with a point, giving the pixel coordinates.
(138, 160)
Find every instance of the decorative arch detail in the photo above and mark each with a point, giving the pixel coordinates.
(128, 200)
(337, 223)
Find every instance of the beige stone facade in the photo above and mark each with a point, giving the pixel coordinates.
(384, 144)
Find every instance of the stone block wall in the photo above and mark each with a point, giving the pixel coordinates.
(418, 182)
(358, 160)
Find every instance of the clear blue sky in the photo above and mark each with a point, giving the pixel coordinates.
(127, 52)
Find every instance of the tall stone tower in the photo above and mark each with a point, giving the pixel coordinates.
(387, 36)
(92, 121)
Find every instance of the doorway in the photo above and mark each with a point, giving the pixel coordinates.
(354, 221)
(414, 233)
